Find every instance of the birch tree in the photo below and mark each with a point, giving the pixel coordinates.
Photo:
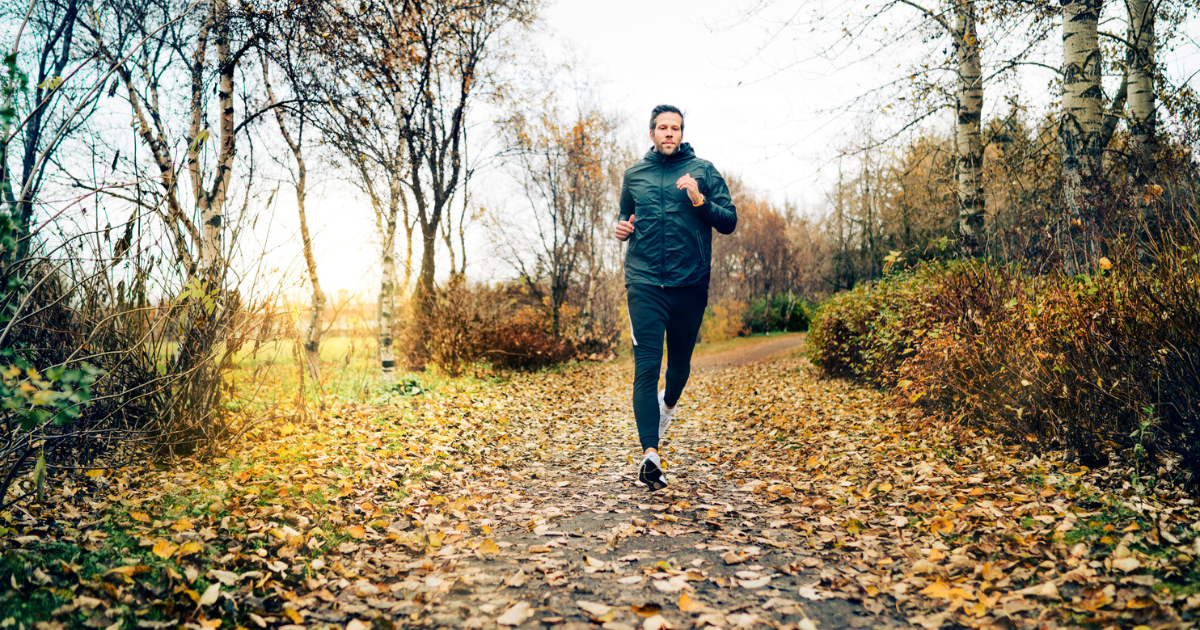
(1140, 86)
(210, 55)
(295, 144)
(1080, 126)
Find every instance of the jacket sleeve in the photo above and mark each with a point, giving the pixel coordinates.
(627, 203)
(718, 208)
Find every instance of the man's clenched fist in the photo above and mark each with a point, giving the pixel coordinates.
(689, 183)
(625, 228)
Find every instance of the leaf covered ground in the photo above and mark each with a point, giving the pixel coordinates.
(796, 502)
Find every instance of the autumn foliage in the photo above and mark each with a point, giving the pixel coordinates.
(1096, 365)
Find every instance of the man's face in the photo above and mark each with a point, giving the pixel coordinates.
(668, 132)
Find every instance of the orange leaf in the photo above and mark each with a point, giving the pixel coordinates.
(356, 532)
(163, 549)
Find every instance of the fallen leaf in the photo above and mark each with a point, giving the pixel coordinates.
(657, 622)
(1126, 564)
(593, 608)
(210, 595)
(163, 549)
(515, 615)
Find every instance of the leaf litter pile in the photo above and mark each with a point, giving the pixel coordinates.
(796, 502)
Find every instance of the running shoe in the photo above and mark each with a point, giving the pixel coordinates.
(650, 472)
(665, 415)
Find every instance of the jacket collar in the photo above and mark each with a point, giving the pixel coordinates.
(684, 152)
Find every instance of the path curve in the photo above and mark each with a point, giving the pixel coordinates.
(766, 349)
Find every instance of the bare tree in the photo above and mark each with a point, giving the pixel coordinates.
(313, 330)
(563, 168)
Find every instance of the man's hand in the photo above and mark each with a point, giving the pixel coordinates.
(688, 183)
(625, 228)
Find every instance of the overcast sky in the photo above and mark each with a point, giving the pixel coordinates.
(757, 102)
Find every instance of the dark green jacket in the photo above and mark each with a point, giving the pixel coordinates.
(671, 244)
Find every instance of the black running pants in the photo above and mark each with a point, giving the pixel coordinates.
(653, 310)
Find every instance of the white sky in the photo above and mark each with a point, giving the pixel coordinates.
(772, 128)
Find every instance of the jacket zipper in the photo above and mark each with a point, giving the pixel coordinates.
(662, 233)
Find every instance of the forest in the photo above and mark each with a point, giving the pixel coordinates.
(958, 385)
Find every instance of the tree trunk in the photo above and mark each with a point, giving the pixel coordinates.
(212, 205)
(968, 112)
(387, 298)
(312, 336)
(1079, 132)
(1140, 68)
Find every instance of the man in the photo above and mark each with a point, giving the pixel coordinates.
(671, 201)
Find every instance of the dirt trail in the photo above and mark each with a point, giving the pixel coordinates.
(766, 349)
(579, 545)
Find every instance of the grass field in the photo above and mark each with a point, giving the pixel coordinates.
(270, 376)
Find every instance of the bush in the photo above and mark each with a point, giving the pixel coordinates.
(788, 313)
(868, 330)
(523, 343)
(1089, 364)
(460, 320)
(723, 320)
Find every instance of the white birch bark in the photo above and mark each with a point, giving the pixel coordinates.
(969, 143)
(1080, 127)
(212, 205)
(1140, 85)
(387, 289)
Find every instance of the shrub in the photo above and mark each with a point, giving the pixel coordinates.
(1089, 364)
(788, 313)
(460, 320)
(723, 320)
(523, 343)
(868, 330)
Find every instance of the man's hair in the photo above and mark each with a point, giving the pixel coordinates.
(661, 109)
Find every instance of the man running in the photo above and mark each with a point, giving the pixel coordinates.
(671, 201)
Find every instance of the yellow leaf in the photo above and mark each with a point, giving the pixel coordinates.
(293, 615)
(937, 590)
(884, 487)
(140, 517)
(285, 431)
(485, 529)
(163, 549)
(210, 624)
(182, 525)
(356, 532)
(190, 548)
(539, 549)
(1105, 263)
(489, 546)
(95, 472)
